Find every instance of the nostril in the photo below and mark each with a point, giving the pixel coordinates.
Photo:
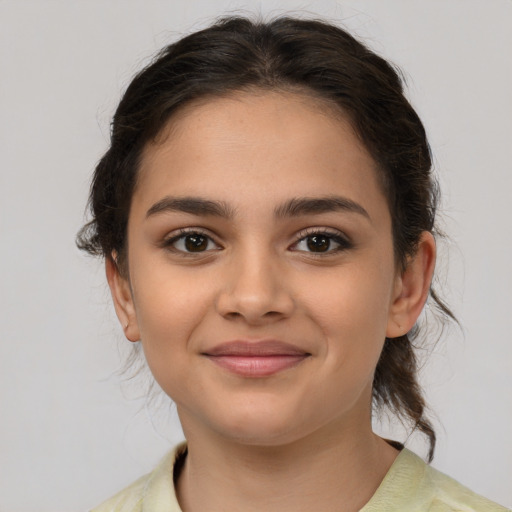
(258, 299)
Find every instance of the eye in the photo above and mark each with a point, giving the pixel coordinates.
(191, 242)
(321, 242)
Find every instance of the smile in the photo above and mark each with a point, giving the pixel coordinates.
(256, 359)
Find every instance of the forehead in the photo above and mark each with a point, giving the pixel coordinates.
(262, 117)
(278, 143)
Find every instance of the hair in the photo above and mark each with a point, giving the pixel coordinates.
(290, 55)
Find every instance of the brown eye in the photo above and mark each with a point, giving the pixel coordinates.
(191, 242)
(321, 242)
(196, 242)
(318, 243)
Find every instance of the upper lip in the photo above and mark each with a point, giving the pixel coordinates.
(255, 348)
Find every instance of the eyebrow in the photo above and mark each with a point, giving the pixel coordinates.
(317, 205)
(192, 205)
(293, 208)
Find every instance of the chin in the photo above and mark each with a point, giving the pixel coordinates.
(262, 438)
(261, 427)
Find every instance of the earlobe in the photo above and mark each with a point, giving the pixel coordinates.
(123, 301)
(412, 288)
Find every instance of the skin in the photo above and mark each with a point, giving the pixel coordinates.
(299, 439)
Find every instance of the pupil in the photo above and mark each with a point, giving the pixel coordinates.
(318, 243)
(196, 243)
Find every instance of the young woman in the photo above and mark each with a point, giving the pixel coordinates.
(266, 213)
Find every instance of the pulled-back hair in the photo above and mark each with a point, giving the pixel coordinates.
(285, 54)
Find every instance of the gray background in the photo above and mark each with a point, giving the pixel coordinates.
(70, 433)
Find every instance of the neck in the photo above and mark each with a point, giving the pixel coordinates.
(325, 471)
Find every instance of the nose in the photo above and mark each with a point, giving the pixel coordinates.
(255, 289)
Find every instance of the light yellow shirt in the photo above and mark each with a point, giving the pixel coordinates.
(409, 486)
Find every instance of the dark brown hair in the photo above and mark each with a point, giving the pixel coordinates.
(286, 54)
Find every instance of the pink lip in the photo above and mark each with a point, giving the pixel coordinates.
(256, 358)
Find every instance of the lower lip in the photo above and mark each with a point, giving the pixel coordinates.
(257, 366)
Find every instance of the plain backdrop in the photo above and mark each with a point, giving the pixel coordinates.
(71, 434)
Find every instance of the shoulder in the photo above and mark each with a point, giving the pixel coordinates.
(449, 495)
(153, 492)
(413, 485)
(127, 500)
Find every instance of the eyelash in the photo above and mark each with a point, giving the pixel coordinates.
(332, 236)
(169, 243)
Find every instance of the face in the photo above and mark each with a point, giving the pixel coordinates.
(261, 275)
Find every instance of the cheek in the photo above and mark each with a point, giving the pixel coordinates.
(169, 308)
(169, 305)
(353, 299)
(353, 316)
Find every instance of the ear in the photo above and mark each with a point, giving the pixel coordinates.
(123, 300)
(412, 288)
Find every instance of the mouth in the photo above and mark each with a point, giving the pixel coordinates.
(256, 359)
